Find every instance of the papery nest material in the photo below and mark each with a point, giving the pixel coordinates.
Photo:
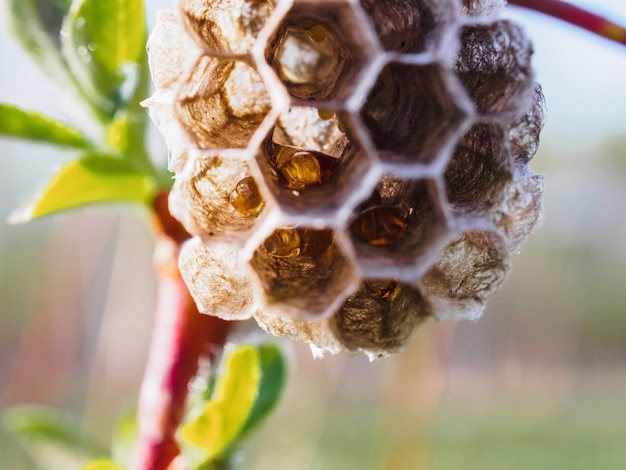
(347, 169)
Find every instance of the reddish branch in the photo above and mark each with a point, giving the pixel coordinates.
(576, 16)
(181, 338)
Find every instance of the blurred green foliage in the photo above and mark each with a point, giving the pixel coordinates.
(579, 436)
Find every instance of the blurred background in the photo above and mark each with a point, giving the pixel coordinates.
(539, 382)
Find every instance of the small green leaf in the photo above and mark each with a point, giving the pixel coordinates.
(52, 439)
(273, 370)
(223, 418)
(104, 43)
(16, 122)
(88, 180)
(118, 133)
(52, 13)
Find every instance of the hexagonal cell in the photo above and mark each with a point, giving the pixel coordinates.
(469, 271)
(481, 7)
(399, 230)
(411, 113)
(494, 66)
(311, 161)
(319, 49)
(317, 333)
(226, 26)
(303, 272)
(519, 209)
(217, 197)
(479, 169)
(411, 26)
(524, 132)
(222, 104)
(216, 279)
(168, 48)
(380, 317)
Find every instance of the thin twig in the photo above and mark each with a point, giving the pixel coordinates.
(576, 16)
(181, 338)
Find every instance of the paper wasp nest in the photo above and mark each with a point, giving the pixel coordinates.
(347, 168)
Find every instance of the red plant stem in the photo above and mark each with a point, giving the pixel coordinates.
(576, 16)
(181, 338)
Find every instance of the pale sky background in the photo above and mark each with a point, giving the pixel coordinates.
(583, 76)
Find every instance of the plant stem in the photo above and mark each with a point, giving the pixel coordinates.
(576, 16)
(181, 338)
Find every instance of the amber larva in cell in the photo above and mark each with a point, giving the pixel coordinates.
(381, 289)
(283, 243)
(315, 242)
(325, 114)
(291, 242)
(318, 33)
(302, 168)
(246, 198)
(380, 226)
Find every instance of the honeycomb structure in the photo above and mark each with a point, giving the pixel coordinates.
(348, 168)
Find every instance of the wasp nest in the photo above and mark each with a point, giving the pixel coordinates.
(347, 168)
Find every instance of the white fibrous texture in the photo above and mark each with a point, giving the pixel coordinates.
(347, 169)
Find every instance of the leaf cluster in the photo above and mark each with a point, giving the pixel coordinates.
(248, 388)
(249, 385)
(95, 51)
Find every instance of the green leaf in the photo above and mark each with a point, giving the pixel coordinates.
(104, 43)
(16, 122)
(52, 439)
(273, 370)
(52, 13)
(223, 418)
(36, 24)
(88, 180)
